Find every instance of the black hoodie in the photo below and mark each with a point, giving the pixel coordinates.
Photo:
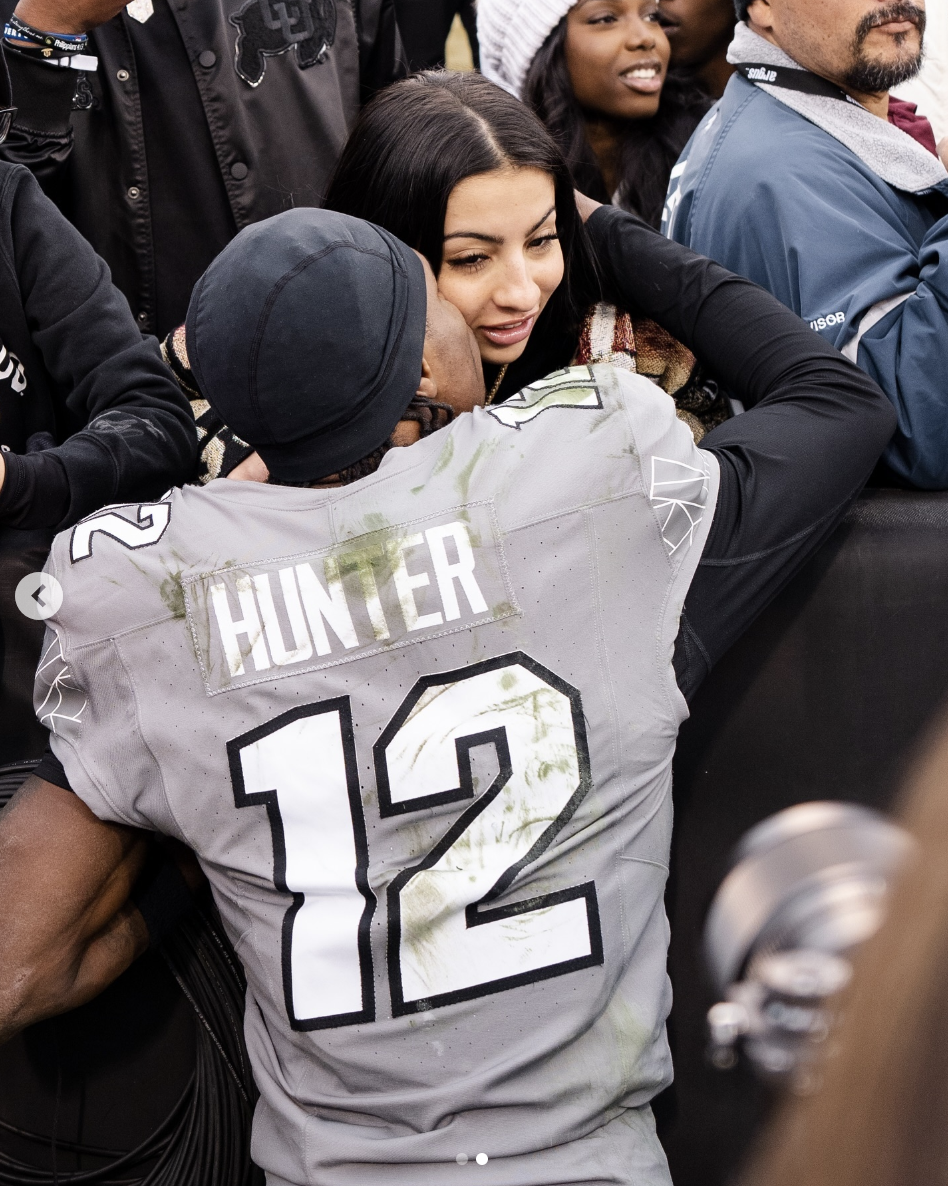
(89, 415)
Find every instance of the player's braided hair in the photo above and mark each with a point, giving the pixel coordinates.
(428, 414)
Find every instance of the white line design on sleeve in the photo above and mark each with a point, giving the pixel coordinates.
(59, 703)
(681, 491)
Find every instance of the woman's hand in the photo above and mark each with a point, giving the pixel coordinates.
(585, 205)
(943, 150)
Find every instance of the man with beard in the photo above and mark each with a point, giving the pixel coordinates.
(810, 179)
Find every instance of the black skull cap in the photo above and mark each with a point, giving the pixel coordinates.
(306, 335)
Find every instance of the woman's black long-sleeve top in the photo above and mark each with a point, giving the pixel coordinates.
(790, 471)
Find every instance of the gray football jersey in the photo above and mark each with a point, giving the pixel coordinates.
(419, 731)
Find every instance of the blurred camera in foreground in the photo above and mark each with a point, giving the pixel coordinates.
(806, 887)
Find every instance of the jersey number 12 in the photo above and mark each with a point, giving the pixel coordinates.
(448, 939)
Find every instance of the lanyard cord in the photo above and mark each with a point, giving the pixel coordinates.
(794, 80)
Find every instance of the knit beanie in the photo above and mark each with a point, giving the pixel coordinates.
(510, 34)
(306, 336)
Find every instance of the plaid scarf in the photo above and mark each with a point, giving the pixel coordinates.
(610, 335)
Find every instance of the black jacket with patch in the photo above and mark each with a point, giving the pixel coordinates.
(202, 117)
(89, 415)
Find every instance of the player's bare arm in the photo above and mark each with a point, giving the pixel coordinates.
(68, 927)
(74, 16)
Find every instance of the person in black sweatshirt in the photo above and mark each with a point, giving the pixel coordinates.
(89, 415)
(161, 129)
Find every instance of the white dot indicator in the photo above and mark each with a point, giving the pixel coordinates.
(461, 1159)
(482, 1159)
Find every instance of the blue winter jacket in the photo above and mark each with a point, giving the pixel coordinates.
(771, 195)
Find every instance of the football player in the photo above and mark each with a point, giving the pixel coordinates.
(414, 709)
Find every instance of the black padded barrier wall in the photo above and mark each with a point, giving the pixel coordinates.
(826, 697)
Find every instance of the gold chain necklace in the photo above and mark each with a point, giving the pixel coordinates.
(497, 382)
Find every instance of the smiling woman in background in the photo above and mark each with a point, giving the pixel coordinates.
(597, 73)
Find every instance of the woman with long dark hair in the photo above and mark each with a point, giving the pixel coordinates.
(597, 74)
(465, 174)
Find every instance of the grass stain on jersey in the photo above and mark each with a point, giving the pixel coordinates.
(548, 767)
(375, 521)
(630, 1040)
(428, 904)
(463, 480)
(171, 592)
(444, 460)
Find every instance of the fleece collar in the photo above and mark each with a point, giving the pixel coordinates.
(888, 151)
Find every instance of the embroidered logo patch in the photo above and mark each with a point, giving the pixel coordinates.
(266, 28)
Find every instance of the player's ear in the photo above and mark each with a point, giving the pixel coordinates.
(427, 385)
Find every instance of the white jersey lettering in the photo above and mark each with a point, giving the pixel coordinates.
(461, 571)
(377, 590)
(406, 583)
(322, 606)
(302, 648)
(231, 629)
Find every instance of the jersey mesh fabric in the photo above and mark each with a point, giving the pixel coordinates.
(490, 976)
